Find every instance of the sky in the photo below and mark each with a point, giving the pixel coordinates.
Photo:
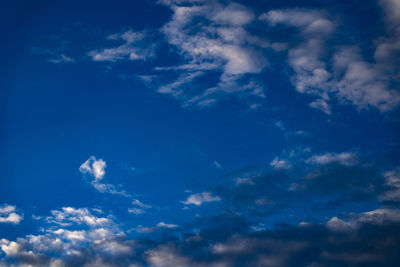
(200, 133)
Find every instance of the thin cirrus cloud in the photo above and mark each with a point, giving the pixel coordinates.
(133, 47)
(138, 207)
(343, 158)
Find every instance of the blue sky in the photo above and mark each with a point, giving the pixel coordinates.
(200, 133)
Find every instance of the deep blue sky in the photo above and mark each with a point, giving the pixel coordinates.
(197, 133)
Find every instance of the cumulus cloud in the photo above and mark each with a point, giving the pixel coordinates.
(199, 198)
(69, 215)
(8, 214)
(71, 237)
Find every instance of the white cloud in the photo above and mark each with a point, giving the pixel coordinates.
(199, 198)
(8, 214)
(133, 48)
(211, 37)
(96, 168)
(82, 216)
(343, 158)
(70, 231)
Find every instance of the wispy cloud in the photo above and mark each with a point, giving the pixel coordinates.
(134, 47)
(96, 168)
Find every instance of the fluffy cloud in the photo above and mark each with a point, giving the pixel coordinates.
(8, 214)
(69, 215)
(67, 241)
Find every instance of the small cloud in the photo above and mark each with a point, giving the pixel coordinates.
(8, 214)
(138, 207)
(62, 59)
(96, 168)
(280, 125)
(280, 164)
(133, 48)
(200, 198)
(242, 181)
(160, 225)
(344, 158)
(217, 165)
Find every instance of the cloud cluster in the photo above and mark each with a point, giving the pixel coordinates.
(364, 239)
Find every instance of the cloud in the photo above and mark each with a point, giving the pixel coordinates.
(392, 183)
(343, 158)
(210, 37)
(366, 238)
(96, 168)
(134, 47)
(62, 59)
(66, 235)
(280, 164)
(199, 198)
(138, 207)
(69, 215)
(217, 165)
(160, 225)
(350, 79)
(166, 255)
(375, 217)
(8, 214)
